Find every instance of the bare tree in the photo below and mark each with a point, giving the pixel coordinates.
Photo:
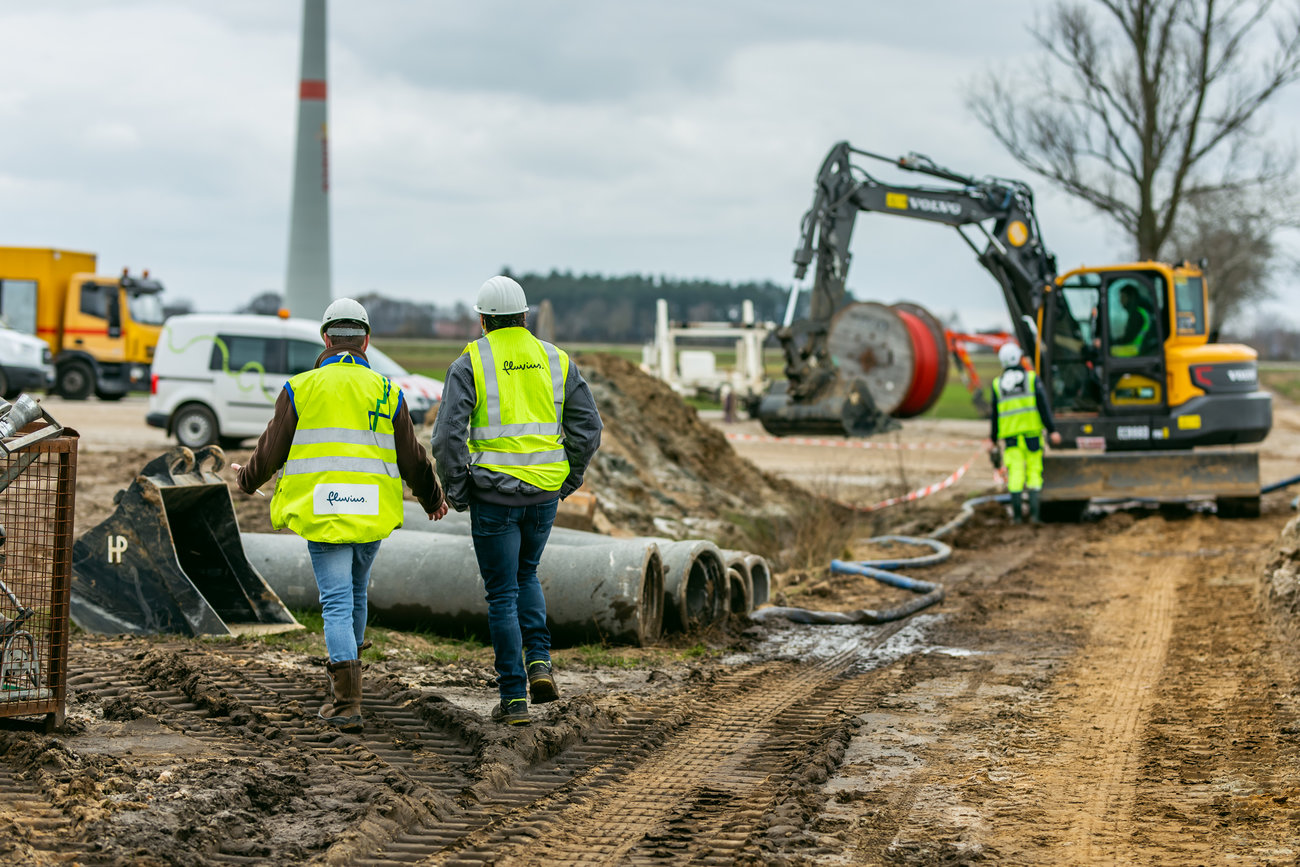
(1144, 106)
(1235, 233)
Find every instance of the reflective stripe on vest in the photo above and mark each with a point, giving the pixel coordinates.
(514, 429)
(341, 482)
(1018, 409)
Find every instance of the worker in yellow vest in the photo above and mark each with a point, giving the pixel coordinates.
(1020, 416)
(515, 431)
(344, 437)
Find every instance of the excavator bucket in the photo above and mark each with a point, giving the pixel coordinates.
(844, 408)
(169, 558)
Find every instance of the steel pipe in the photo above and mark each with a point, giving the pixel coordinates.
(610, 593)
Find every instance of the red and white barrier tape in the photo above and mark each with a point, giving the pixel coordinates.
(945, 445)
(922, 492)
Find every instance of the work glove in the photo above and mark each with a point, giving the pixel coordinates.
(995, 457)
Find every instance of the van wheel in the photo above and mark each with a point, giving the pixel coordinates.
(76, 380)
(195, 426)
(4, 385)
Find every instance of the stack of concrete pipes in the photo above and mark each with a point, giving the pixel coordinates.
(598, 588)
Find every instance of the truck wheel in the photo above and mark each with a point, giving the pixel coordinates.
(109, 395)
(76, 380)
(195, 426)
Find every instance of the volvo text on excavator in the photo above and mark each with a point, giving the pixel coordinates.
(1124, 350)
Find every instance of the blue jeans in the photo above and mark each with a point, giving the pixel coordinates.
(508, 542)
(342, 575)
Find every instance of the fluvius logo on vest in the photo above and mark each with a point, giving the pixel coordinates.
(510, 367)
(345, 499)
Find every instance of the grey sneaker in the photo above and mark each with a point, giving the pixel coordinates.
(512, 712)
(541, 682)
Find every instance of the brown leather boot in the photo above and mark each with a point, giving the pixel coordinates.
(343, 708)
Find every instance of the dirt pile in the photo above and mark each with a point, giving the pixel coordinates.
(1281, 575)
(662, 471)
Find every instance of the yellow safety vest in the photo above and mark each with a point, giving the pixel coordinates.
(1132, 348)
(517, 424)
(1018, 408)
(340, 482)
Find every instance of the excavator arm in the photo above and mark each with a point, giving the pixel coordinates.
(994, 216)
(999, 212)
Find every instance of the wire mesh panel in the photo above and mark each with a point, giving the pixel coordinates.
(36, 506)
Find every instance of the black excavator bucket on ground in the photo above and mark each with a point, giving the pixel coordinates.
(169, 558)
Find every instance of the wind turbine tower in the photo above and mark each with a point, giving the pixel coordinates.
(307, 286)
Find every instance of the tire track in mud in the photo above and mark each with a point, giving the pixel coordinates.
(395, 740)
(1085, 787)
(689, 781)
(404, 769)
(36, 831)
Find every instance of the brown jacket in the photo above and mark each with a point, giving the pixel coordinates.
(273, 448)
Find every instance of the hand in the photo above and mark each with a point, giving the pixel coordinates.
(439, 513)
(1054, 438)
(237, 467)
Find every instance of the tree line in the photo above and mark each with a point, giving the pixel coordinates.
(588, 308)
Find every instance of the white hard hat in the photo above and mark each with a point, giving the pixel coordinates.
(345, 310)
(1010, 355)
(500, 296)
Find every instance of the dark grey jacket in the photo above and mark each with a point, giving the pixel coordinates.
(463, 482)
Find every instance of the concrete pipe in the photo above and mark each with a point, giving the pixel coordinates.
(695, 573)
(760, 579)
(739, 582)
(611, 593)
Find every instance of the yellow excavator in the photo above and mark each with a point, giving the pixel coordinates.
(1135, 379)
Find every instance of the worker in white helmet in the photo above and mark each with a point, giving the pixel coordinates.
(1020, 416)
(344, 437)
(515, 431)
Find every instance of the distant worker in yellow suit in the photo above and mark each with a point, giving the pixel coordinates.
(1020, 416)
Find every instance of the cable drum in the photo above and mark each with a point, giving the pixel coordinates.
(900, 352)
(871, 341)
(919, 401)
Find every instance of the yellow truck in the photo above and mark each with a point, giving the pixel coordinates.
(101, 330)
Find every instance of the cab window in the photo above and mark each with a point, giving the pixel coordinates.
(303, 355)
(1189, 300)
(1133, 307)
(253, 353)
(94, 299)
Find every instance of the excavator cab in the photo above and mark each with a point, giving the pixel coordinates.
(1126, 358)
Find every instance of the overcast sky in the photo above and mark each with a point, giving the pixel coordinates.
(676, 137)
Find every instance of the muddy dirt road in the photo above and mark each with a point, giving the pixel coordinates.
(1110, 692)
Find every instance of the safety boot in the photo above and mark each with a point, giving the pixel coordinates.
(343, 709)
(1016, 517)
(1035, 507)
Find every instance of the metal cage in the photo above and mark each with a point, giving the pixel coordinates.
(36, 511)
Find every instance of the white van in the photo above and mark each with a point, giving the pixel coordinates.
(26, 363)
(216, 377)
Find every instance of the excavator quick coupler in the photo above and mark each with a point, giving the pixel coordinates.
(169, 558)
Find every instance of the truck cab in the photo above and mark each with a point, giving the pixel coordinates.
(101, 329)
(110, 329)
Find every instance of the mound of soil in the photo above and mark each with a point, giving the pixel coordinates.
(1281, 576)
(662, 471)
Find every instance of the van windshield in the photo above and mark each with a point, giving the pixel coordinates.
(381, 363)
(146, 307)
